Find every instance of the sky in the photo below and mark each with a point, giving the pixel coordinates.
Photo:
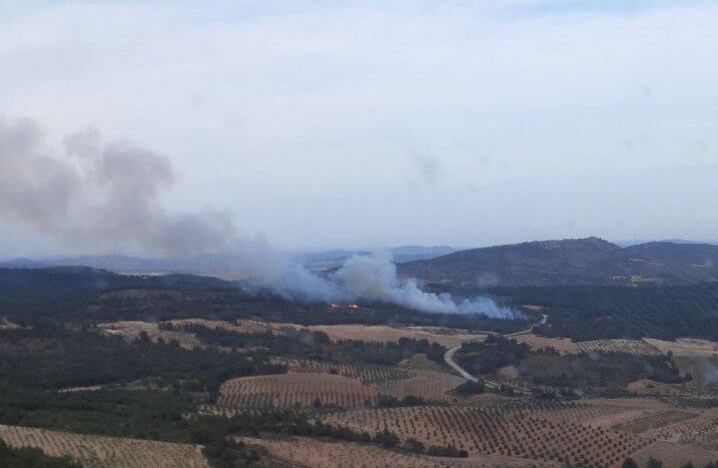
(359, 124)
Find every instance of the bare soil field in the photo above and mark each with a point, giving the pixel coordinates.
(105, 452)
(562, 345)
(384, 333)
(650, 387)
(701, 430)
(689, 347)
(321, 454)
(486, 432)
(295, 390)
(394, 381)
(675, 455)
(652, 420)
(366, 374)
(131, 330)
(425, 384)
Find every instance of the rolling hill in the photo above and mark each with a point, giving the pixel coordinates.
(589, 261)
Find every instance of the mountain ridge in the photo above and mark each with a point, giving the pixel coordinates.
(567, 262)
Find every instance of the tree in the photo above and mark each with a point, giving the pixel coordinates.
(630, 463)
(654, 463)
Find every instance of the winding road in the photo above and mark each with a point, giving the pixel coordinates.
(449, 356)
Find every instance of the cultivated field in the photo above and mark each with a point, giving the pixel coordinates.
(639, 347)
(295, 390)
(393, 381)
(105, 452)
(383, 333)
(568, 346)
(321, 454)
(425, 384)
(366, 374)
(687, 347)
(650, 387)
(496, 432)
(562, 345)
(652, 420)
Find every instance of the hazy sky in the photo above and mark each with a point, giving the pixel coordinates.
(373, 123)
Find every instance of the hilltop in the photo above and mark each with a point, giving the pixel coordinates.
(589, 261)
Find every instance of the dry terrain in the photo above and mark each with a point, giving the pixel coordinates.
(562, 345)
(494, 432)
(639, 347)
(105, 452)
(131, 330)
(687, 347)
(295, 390)
(323, 454)
(394, 381)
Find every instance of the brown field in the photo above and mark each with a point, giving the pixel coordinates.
(105, 452)
(320, 454)
(397, 382)
(494, 432)
(639, 347)
(381, 333)
(562, 345)
(701, 430)
(687, 347)
(366, 374)
(131, 331)
(295, 390)
(650, 387)
(675, 455)
(652, 420)
(425, 384)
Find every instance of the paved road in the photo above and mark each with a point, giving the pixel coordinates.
(530, 329)
(449, 356)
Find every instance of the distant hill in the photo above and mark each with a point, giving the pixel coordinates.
(590, 261)
(213, 264)
(40, 284)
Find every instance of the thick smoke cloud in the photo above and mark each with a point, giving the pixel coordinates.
(105, 195)
(374, 278)
(108, 196)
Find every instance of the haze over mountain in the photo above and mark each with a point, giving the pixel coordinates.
(589, 261)
(216, 264)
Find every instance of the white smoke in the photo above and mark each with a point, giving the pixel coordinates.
(363, 277)
(108, 195)
(374, 278)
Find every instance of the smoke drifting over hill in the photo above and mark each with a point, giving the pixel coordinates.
(108, 196)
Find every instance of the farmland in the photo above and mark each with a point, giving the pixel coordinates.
(295, 390)
(492, 432)
(199, 377)
(105, 452)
